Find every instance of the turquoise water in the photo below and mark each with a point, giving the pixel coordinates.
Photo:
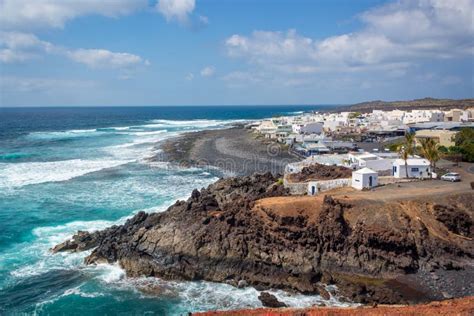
(63, 170)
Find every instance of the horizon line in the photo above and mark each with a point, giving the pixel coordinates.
(174, 105)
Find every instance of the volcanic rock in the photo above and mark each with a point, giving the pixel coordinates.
(224, 233)
(269, 300)
(321, 172)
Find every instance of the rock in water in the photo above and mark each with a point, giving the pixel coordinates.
(80, 242)
(269, 300)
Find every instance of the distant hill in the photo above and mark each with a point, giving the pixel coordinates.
(426, 103)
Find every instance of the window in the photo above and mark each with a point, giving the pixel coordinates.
(414, 170)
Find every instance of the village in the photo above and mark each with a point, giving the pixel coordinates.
(369, 150)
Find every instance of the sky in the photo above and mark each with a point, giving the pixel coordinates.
(233, 52)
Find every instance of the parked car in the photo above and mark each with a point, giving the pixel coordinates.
(451, 176)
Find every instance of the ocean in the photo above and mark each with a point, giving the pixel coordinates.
(86, 168)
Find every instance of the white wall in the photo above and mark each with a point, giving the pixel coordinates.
(379, 164)
(413, 171)
(326, 185)
(360, 181)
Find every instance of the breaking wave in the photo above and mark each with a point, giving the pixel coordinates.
(26, 173)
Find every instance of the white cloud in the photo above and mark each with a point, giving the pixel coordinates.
(208, 71)
(102, 58)
(262, 45)
(19, 47)
(32, 14)
(397, 35)
(189, 76)
(176, 9)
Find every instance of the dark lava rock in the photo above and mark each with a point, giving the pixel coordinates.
(80, 242)
(324, 293)
(455, 220)
(321, 172)
(269, 300)
(217, 235)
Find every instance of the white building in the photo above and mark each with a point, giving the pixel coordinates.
(420, 116)
(364, 178)
(374, 161)
(417, 168)
(333, 126)
(267, 126)
(308, 128)
(312, 128)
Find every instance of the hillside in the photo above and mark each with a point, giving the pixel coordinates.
(444, 104)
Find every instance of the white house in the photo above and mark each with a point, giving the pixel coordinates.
(417, 168)
(364, 178)
(374, 161)
(267, 126)
(312, 128)
(333, 125)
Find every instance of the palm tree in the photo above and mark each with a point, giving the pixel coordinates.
(410, 143)
(407, 149)
(404, 155)
(430, 150)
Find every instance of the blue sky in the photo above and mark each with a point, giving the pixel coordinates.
(192, 52)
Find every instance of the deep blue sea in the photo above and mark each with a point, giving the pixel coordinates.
(69, 169)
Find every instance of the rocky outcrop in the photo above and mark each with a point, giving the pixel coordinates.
(455, 220)
(269, 300)
(218, 235)
(320, 172)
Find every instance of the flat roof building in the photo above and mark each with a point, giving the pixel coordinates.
(442, 137)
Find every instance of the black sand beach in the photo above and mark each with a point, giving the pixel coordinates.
(236, 151)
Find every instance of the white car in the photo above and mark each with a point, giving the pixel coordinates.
(451, 176)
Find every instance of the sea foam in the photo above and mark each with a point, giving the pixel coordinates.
(21, 174)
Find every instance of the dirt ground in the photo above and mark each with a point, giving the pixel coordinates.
(308, 206)
(461, 307)
(411, 190)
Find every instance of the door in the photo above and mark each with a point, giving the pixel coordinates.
(370, 181)
(313, 190)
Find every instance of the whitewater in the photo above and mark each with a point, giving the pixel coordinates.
(56, 182)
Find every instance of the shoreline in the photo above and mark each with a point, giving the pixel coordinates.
(234, 151)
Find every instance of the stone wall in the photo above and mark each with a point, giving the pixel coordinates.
(300, 188)
(295, 188)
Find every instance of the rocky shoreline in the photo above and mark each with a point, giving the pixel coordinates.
(236, 231)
